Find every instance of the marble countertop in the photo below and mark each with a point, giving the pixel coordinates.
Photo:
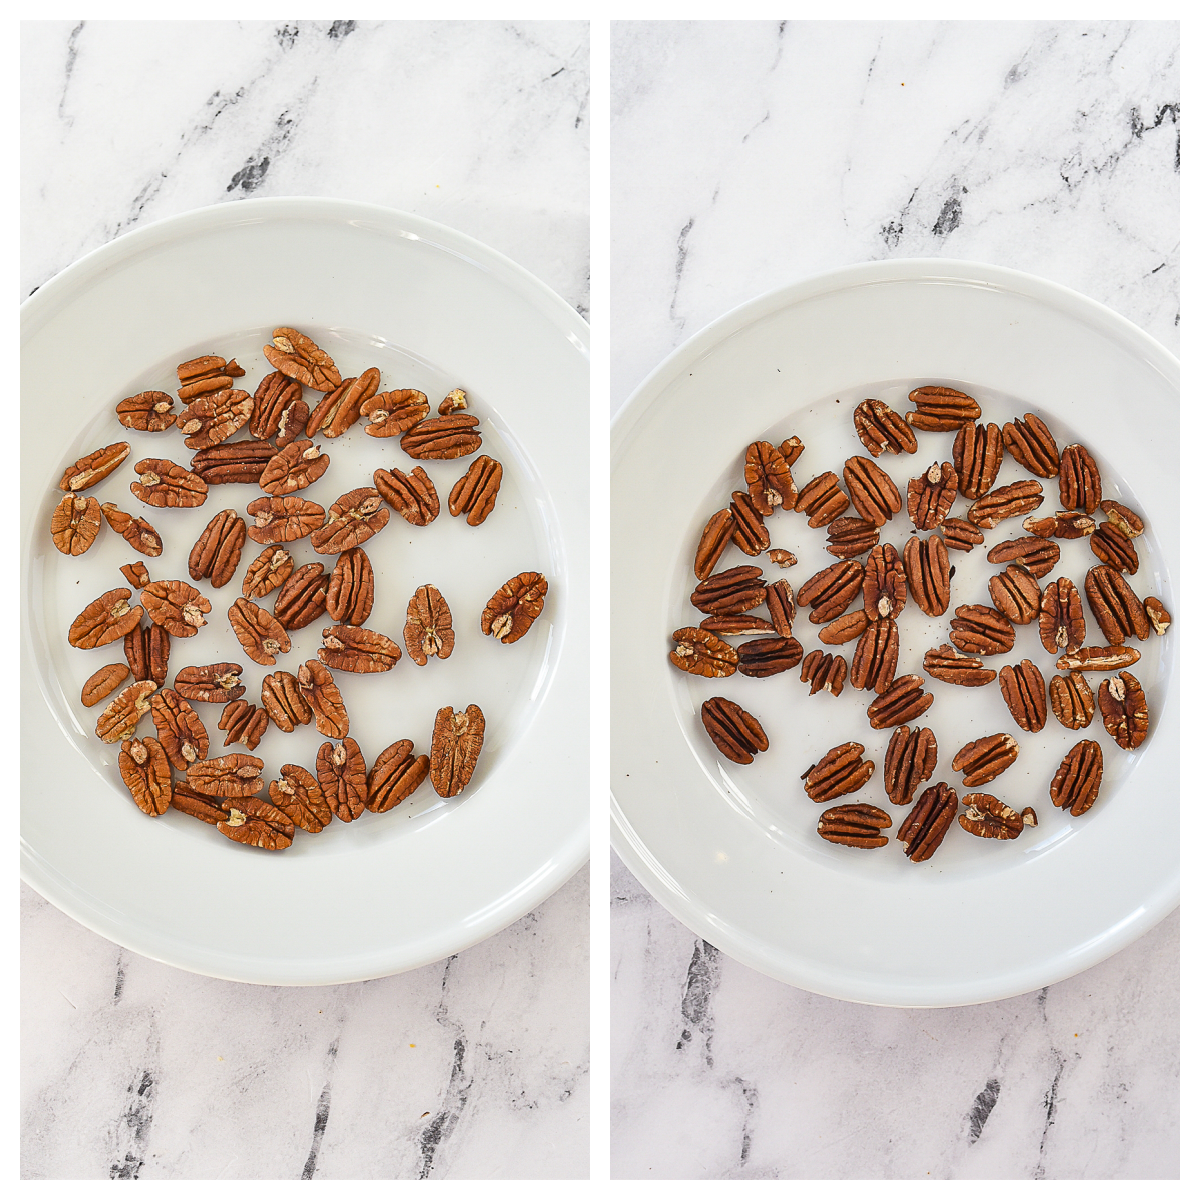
(473, 1068)
(753, 154)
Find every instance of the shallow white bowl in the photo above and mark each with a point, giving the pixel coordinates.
(432, 309)
(732, 851)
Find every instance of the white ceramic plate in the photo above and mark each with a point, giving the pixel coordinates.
(432, 309)
(732, 851)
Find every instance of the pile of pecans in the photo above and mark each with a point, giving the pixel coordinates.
(889, 577)
(173, 769)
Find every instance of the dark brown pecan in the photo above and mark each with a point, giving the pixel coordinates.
(854, 825)
(1063, 525)
(358, 650)
(215, 418)
(164, 484)
(352, 519)
(988, 817)
(791, 449)
(822, 499)
(922, 830)
(475, 493)
(454, 400)
(351, 590)
(742, 623)
(749, 530)
(845, 629)
(139, 533)
(728, 593)
(1071, 700)
(392, 413)
(342, 407)
(940, 409)
(842, 771)
(978, 453)
(397, 773)
(960, 535)
(875, 656)
(1032, 445)
(977, 629)
(300, 358)
(1079, 484)
(733, 731)
(233, 462)
(429, 628)
(1060, 622)
(146, 772)
(904, 701)
(718, 529)
(945, 663)
(699, 652)
(1015, 593)
(1038, 555)
(1125, 519)
(1024, 692)
(255, 822)
(782, 606)
(1012, 500)
(982, 760)
(147, 412)
(1123, 710)
(208, 373)
(107, 618)
(516, 604)
(148, 653)
(931, 496)
(218, 550)
(217, 683)
(121, 716)
(910, 760)
(1157, 615)
(881, 428)
(299, 795)
(179, 729)
(413, 496)
(271, 398)
(1112, 547)
(261, 635)
(136, 574)
(831, 591)
(442, 437)
(271, 568)
(292, 423)
(884, 588)
(303, 598)
(322, 695)
(203, 808)
(851, 537)
(768, 479)
(874, 496)
(244, 723)
(177, 606)
(283, 701)
(103, 683)
(75, 523)
(295, 467)
(93, 467)
(782, 558)
(761, 657)
(824, 672)
(1076, 783)
(1098, 658)
(283, 518)
(455, 748)
(927, 574)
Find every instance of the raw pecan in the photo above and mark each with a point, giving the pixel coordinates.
(397, 773)
(931, 496)
(1079, 480)
(1009, 501)
(391, 413)
(283, 701)
(910, 760)
(845, 629)
(429, 628)
(352, 519)
(350, 593)
(75, 523)
(299, 796)
(1125, 519)
(1098, 658)
(515, 605)
(321, 693)
(978, 453)
(213, 419)
(147, 412)
(217, 683)
(295, 467)
(243, 723)
(140, 534)
(874, 496)
(875, 656)
(982, 760)
(271, 398)
(120, 718)
(733, 731)
(977, 629)
(103, 683)
(164, 484)
(475, 493)
(1071, 700)
(850, 537)
(357, 649)
(293, 421)
(922, 830)
(822, 499)
(768, 479)
(904, 701)
(148, 653)
(218, 550)
(261, 635)
(203, 808)
(831, 591)
(791, 449)
(782, 607)
(442, 437)
(761, 657)
(749, 530)
(454, 401)
(1076, 783)
(146, 772)
(1157, 615)
(283, 518)
(1064, 525)
(1016, 594)
(960, 535)
(300, 358)
(988, 817)
(1024, 692)
(702, 653)
(854, 825)
(255, 822)
(179, 728)
(107, 618)
(413, 496)
(1111, 546)
(94, 467)
(342, 407)
(208, 373)
(940, 409)
(233, 462)
(945, 663)
(1032, 445)
(136, 574)
(824, 672)
(1060, 624)
(884, 587)
(782, 558)
(303, 598)
(455, 749)
(177, 606)
(1037, 554)
(718, 529)
(1123, 710)
(843, 770)
(742, 623)
(881, 428)
(271, 568)
(927, 574)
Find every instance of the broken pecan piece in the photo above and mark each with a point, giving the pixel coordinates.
(203, 808)
(93, 467)
(910, 761)
(140, 534)
(1016, 594)
(960, 535)
(824, 673)
(271, 568)
(179, 728)
(164, 484)
(931, 496)
(322, 695)
(217, 683)
(874, 496)
(299, 796)
(75, 523)
(177, 606)
(136, 575)
(243, 723)
(283, 702)
(1072, 701)
(429, 628)
(851, 537)
(342, 407)
(103, 683)
(1125, 519)
(922, 830)
(283, 518)
(875, 656)
(1037, 555)
(271, 399)
(718, 529)
(1098, 658)
(255, 822)
(842, 770)
(357, 649)
(1032, 445)
(233, 462)
(1111, 546)
(927, 574)
(1012, 500)
(768, 479)
(977, 629)
(978, 453)
(300, 358)
(303, 598)
(350, 593)
(295, 467)
(742, 623)
(782, 558)
(352, 519)
(148, 653)
(988, 817)
(146, 772)
(791, 448)
(734, 732)
(392, 413)
(845, 629)
(761, 657)
(884, 587)
(208, 373)
(749, 531)
(218, 550)
(854, 825)
(454, 401)
(475, 493)
(1123, 710)
(941, 408)
(456, 745)
(982, 760)
(261, 635)
(1157, 615)
(881, 428)
(822, 499)
(442, 437)
(215, 418)
(1079, 485)
(831, 591)
(397, 773)
(904, 701)
(1024, 692)
(781, 604)
(147, 412)
(1076, 783)
(120, 718)
(1064, 525)
(107, 618)
(945, 663)
(699, 652)
(516, 604)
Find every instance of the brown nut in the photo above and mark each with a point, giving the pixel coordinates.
(455, 400)
(283, 518)
(881, 428)
(456, 745)
(733, 626)
(842, 771)
(342, 407)
(734, 732)
(352, 519)
(940, 409)
(1016, 594)
(397, 773)
(1032, 445)
(164, 484)
(429, 628)
(283, 702)
(875, 656)
(718, 529)
(699, 652)
(177, 606)
(768, 479)
(208, 373)
(442, 437)
(256, 822)
(978, 453)
(295, 467)
(781, 604)
(1012, 500)
(1098, 658)
(146, 772)
(357, 649)
(874, 496)
(233, 462)
(94, 467)
(1125, 519)
(1079, 485)
(212, 419)
(922, 830)
(1157, 615)
(988, 817)
(475, 493)
(271, 400)
(147, 412)
(1123, 710)
(75, 523)
(931, 496)
(322, 695)
(413, 496)
(299, 796)
(761, 657)
(1063, 525)
(749, 531)
(218, 550)
(107, 618)
(831, 591)
(854, 825)
(231, 776)
(846, 628)
(261, 635)
(791, 448)
(391, 413)
(910, 761)
(960, 535)
(148, 653)
(516, 604)
(1118, 611)
(982, 760)
(300, 358)
(103, 683)
(1076, 783)
(1060, 621)
(139, 533)
(822, 499)
(180, 730)
(217, 683)
(884, 587)
(1072, 701)
(945, 663)
(927, 574)
(851, 537)
(904, 701)
(351, 590)
(977, 629)
(244, 723)
(120, 718)
(1037, 555)
(1111, 546)
(782, 558)
(824, 673)
(303, 598)
(270, 569)
(136, 575)
(1024, 692)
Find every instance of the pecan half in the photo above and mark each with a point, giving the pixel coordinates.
(734, 732)
(1111, 546)
(103, 683)
(961, 535)
(1098, 658)
(982, 760)
(208, 373)
(300, 358)
(177, 606)
(295, 467)
(442, 437)
(782, 558)
(283, 518)
(413, 496)
(875, 656)
(271, 568)
(93, 467)
(922, 830)
(845, 629)
(179, 728)
(261, 635)
(139, 533)
(303, 598)
(854, 825)
(351, 590)
(977, 629)
(121, 716)
(1123, 710)
(1076, 783)
(910, 760)
(217, 683)
(107, 618)
(699, 652)
(75, 523)
(1125, 519)
(233, 462)
(1063, 525)
(352, 519)
(718, 529)
(843, 770)
(742, 623)
(203, 808)
(1024, 692)
(988, 817)
(824, 672)
(475, 493)
(429, 628)
(884, 587)
(147, 412)
(322, 695)
(213, 419)
(244, 723)
(1016, 594)
(218, 550)
(874, 496)
(791, 448)
(822, 499)
(931, 496)
(749, 531)
(299, 795)
(1071, 700)
(978, 453)
(927, 574)
(516, 604)
(881, 428)
(941, 408)
(164, 484)
(255, 822)
(1032, 445)
(454, 401)
(1079, 484)
(136, 575)
(904, 701)
(945, 663)
(1012, 500)
(851, 537)
(283, 701)
(392, 413)
(1038, 555)
(271, 399)
(1060, 622)
(146, 772)
(761, 657)
(342, 407)
(357, 649)
(148, 653)
(831, 591)
(455, 749)
(1157, 615)
(782, 606)
(768, 479)
(397, 773)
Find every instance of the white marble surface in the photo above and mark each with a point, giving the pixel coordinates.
(475, 1068)
(746, 156)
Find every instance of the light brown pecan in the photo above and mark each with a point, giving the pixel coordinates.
(213, 419)
(397, 773)
(319, 690)
(136, 575)
(988, 817)
(884, 588)
(107, 618)
(147, 412)
(734, 732)
(1015, 593)
(177, 606)
(845, 629)
(768, 479)
(342, 407)
(303, 598)
(1157, 615)
(475, 493)
(271, 399)
(822, 499)
(1037, 554)
(271, 568)
(516, 604)
(1112, 547)
(218, 550)
(982, 760)
(749, 531)
(782, 558)
(927, 574)
(429, 628)
(283, 701)
(203, 808)
(1012, 500)
(875, 656)
(140, 534)
(1079, 485)
(1076, 783)
(741, 623)
(217, 683)
(121, 716)
(75, 523)
(244, 723)
(1032, 445)
(842, 771)
(851, 537)
(1071, 700)
(977, 629)
(824, 672)
(699, 652)
(351, 590)
(960, 535)
(455, 748)
(874, 496)
(1123, 710)
(881, 428)
(904, 701)
(297, 794)
(164, 484)
(1098, 658)
(922, 830)
(1063, 525)
(781, 604)
(978, 453)
(791, 448)
(413, 496)
(910, 760)
(1024, 692)
(255, 822)
(208, 373)
(283, 518)
(148, 653)
(392, 413)
(454, 400)
(718, 529)
(854, 825)
(93, 467)
(233, 462)
(261, 635)
(292, 423)
(300, 358)
(179, 728)
(352, 519)
(1125, 519)
(103, 683)
(295, 467)
(831, 591)
(1060, 623)
(931, 496)
(941, 408)
(357, 649)
(761, 657)
(442, 437)
(945, 663)
(146, 772)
